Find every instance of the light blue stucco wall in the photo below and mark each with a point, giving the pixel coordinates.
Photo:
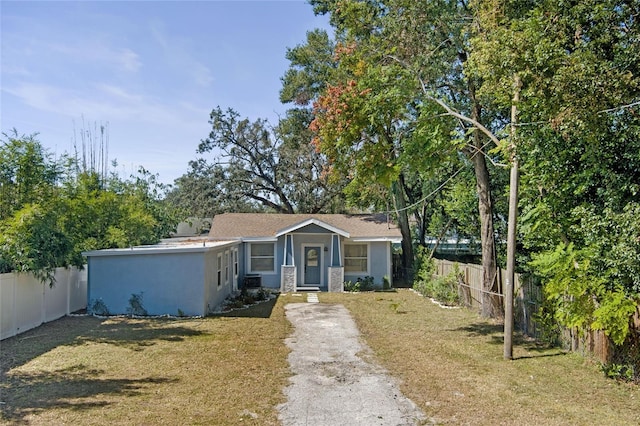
(172, 282)
(379, 262)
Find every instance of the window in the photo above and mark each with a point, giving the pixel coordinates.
(356, 259)
(226, 267)
(262, 257)
(235, 263)
(219, 273)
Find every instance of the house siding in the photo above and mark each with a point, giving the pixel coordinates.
(379, 258)
(170, 283)
(379, 262)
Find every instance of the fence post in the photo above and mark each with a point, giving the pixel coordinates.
(43, 310)
(68, 271)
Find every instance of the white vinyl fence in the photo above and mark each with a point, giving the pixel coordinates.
(26, 303)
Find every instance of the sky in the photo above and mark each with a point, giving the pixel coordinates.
(149, 71)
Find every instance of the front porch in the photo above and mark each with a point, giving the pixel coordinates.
(313, 266)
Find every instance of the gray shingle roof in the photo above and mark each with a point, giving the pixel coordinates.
(263, 225)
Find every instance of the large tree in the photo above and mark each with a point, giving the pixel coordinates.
(578, 143)
(52, 211)
(253, 166)
(28, 173)
(405, 70)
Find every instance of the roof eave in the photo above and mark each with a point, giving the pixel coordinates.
(312, 221)
(376, 239)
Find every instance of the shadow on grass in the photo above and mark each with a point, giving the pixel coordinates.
(495, 334)
(546, 353)
(259, 310)
(136, 334)
(20, 349)
(73, 331)
(481, 329)
(75, 388)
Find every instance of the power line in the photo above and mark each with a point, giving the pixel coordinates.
(619, 108)
(435, 191)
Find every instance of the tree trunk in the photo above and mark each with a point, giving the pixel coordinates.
(405, 229)
(491, 303)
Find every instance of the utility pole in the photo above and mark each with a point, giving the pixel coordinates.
(514, 178)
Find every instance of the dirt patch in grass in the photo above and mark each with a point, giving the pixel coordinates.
(221, 370)
(450, 363)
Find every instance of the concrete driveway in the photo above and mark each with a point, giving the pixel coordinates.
(333, 383)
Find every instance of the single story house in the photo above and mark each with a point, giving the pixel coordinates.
(183, 277)
(285, 252)
(292, 252)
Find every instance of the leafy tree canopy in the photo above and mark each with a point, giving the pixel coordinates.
(52, 211)
(253, 166)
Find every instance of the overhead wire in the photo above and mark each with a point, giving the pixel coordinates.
(441, 186)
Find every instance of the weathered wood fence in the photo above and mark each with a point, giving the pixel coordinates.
(528, 298)
(527, 295)
(26, 303)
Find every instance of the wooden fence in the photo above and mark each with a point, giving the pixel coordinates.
(527, 295)
(527, 300)
(26, 303)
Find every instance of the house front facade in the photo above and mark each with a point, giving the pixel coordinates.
(194, 276)
(293, 252)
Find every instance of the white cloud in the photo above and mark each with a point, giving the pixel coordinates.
(15, 70)
(128, 59)
(119, 93)
(107, 102)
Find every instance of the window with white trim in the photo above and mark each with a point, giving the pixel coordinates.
(219, 269)
(226, 267)
(235, 263)
(356, 259)
(262, 257)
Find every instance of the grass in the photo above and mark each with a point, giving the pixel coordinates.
(222, 370)
(450, 363)
(231, 369)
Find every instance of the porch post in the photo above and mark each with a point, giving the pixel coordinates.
(288, 273)
(336, 258)
(336, 271)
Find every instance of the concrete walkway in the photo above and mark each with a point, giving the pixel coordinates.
(332, 383)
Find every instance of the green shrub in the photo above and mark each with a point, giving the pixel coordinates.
(136, 307)
(548, 330)
(386, 283)
(623, 372)
(246, 297)
(98, 307)
(625, 364)
(362, 284)
(262, 294)
(582, 298)
(425, 266)
(443, 289)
